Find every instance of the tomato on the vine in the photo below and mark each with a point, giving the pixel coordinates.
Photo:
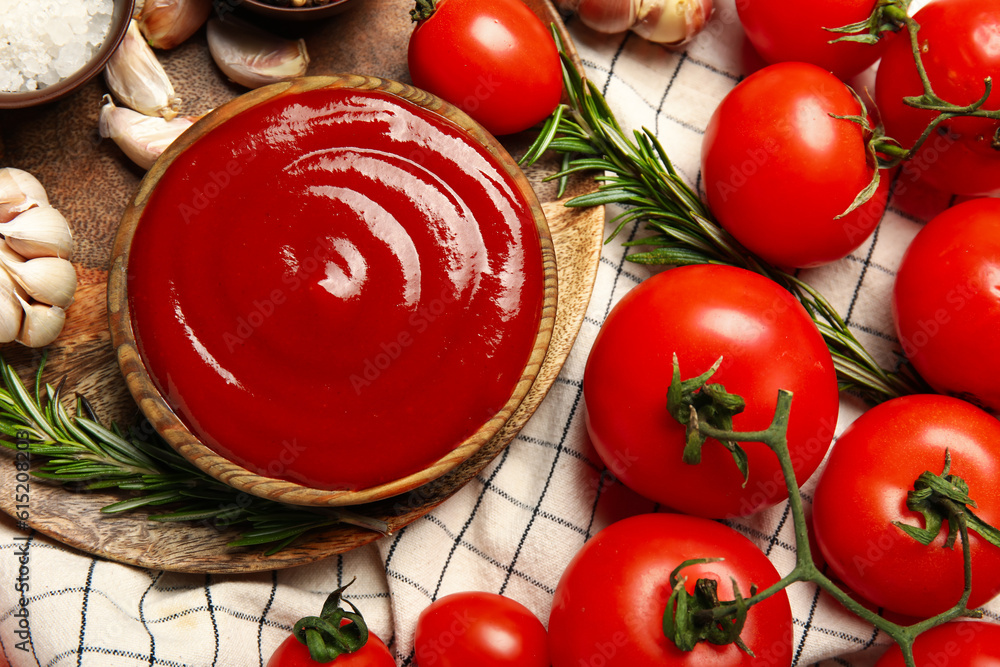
(293, 653)
(335, 637)
(957, 40)
(946, 302)
(781, 32)
(494, 60)
(701, 313)
(609, 605)
(479, 628)
(863, 490)
(954, 644)
(779, 170)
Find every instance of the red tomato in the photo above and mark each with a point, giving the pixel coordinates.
(608, 607)
(863, 488)
(955, 644)
(293, 653)
(781, 35)
(958, 39)
(768, 342)
(946, 302)
(481, 629)
(495, 60)
(778, 168)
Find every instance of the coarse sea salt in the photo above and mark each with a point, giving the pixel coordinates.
(46, 41)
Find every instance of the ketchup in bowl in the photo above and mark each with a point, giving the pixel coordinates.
(335, 287)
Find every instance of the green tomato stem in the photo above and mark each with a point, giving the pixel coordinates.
(805, 570)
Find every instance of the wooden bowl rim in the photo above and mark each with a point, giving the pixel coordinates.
(169, 425)
(120, 18)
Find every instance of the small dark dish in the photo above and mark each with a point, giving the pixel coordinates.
(120, 18)
(304, 13)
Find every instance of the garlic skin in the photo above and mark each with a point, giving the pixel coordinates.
(167, 23)
(252, 57)
(142, 138)
(11, 313)
(42, 324)
(672, 22)
(19, 191)
(609, 16)
(39, 232)
(138, 79)
(50, 280)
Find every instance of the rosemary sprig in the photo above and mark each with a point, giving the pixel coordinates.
(78, 451)
(635, 172)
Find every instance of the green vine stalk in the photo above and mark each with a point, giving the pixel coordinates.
(685, 630)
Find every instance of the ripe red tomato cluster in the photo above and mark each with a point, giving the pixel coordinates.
(784, 157)
(788, 150)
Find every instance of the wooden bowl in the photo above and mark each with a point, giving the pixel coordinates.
(120, 17)
(310, 13)
(162, 415)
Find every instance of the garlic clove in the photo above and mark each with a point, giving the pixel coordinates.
(252, 57)
(142, 138)
(11, 313)
(608, 16)
(50, 280)
(9, 256)
(672, 22)
(42, 324)
(167, 23)
(19, 191)
(138, 79)
(39, 232)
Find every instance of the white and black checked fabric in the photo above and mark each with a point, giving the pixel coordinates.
(513, 529)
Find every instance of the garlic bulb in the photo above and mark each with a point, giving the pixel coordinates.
(142, 138)
(42, 324)
(51, 280)
(136, 77)
(11, 313)
(34, 262)
(167, 23)
(253, 57)
(671, 22)
(39, 232)
(19, 191)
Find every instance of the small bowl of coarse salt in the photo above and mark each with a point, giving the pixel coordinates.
(49, 48)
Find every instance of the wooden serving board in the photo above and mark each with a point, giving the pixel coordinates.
(90, 181)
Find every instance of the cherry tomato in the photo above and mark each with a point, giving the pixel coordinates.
(293, 653)
(863, 489)
(783, 33)
(609, 604)
(494, 60)
(481, 629)
(778, 169)
(954, 644)
(946, 302)
(767, 341)
(958, 48)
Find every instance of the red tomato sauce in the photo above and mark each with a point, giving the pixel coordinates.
(335, 288)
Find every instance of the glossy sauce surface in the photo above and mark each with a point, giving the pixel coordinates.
(335, 288)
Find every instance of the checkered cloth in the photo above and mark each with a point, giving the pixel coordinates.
(512, 529)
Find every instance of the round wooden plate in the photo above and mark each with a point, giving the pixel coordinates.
(90, 181)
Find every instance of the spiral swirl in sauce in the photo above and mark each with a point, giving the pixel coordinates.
(335, 288)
